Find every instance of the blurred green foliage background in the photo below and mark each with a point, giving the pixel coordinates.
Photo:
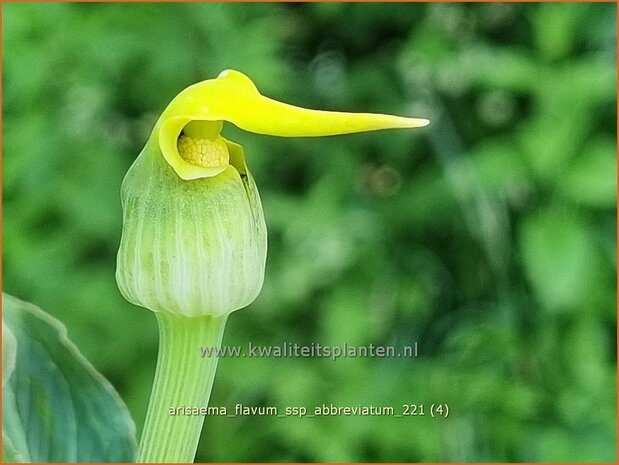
(489, 237)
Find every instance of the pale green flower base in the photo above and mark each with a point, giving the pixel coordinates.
(182, 379)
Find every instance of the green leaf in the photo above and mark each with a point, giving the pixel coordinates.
(559, 259)
(590, 180)
(55, 406)
(557, 41)
(9, 352)
(9, 454)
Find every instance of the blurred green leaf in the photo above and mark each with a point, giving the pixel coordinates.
(56, 407)
(556, 28)
(559, 259)
(591, 179)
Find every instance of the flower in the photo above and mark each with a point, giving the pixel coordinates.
(194, 239)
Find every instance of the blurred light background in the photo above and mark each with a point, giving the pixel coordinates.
(489, 237)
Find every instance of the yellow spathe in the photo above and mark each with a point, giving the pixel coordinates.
(234, 98)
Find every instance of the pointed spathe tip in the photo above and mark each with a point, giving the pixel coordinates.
(413, 122)
(423, 122)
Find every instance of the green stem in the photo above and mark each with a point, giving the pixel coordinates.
(183, 379)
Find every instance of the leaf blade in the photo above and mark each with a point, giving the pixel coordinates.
(56, 406)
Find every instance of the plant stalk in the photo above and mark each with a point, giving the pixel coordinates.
(183, 378)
